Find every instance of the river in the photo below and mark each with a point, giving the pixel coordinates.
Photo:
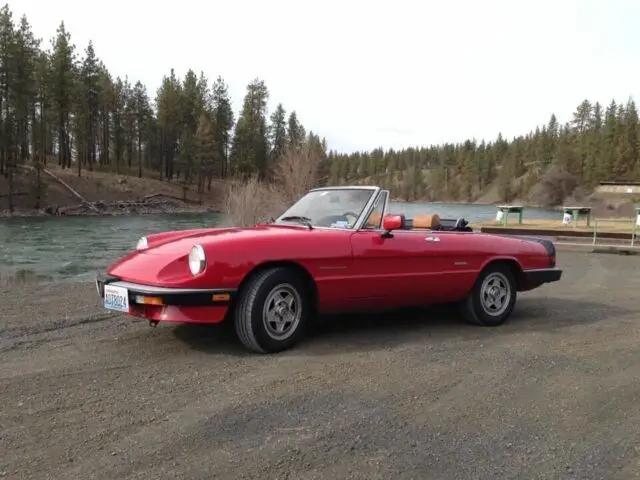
(74, 248)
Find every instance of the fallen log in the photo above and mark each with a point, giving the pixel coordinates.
(17, 194)
(172, 197)
(64, 184)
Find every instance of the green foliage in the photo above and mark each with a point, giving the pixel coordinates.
(589, 149)
(57, 102)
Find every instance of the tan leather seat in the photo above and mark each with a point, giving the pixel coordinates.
(374, 220)
(426, 221)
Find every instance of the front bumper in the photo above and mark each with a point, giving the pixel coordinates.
(191, 305)
(531, 279)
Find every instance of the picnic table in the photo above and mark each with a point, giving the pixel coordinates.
(576, 212)
(505, 210)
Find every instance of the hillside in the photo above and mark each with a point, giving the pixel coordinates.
(549, 165)
(111, 193)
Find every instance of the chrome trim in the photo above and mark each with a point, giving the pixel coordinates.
(346, 187)
(358, 224)
(139, 288)
(363, 215)
(370, 210)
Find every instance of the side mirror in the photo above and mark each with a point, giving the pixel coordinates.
(391, 222)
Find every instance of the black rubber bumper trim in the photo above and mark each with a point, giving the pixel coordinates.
(169, 296)
(534, 278)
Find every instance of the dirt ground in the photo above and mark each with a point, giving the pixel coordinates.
(553, 394)
(96, 186)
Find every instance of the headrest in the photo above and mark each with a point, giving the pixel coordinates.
(374, 219)
(426, 221)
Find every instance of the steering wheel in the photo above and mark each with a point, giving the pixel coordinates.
(350, 214)
(337, 218)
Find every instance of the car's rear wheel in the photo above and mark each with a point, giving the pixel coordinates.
(273, 311)
(492, 298)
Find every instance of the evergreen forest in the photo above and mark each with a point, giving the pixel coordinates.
(59, 103)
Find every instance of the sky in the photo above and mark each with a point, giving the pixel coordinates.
(368, 74)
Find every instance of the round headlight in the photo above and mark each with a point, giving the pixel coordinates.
(197, 260)
(142, 244)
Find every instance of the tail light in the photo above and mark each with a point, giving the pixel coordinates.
(552, 261)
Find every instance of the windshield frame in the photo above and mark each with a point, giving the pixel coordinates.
(366, 210)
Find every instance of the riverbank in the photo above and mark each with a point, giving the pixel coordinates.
(62, 192)
(154, 204)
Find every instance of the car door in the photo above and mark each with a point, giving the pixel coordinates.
(385, 268)
(392, 271)
(450, 263)
(412, 267)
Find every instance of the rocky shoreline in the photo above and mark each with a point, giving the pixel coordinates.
(151, 204)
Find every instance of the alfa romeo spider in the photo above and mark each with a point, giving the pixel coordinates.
(337, 249)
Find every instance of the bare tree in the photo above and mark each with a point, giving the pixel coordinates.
(254, 201)
(296, 171)
(250, 202)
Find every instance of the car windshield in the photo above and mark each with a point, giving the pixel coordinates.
(336, 208)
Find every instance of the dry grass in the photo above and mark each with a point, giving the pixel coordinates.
(97, 186)
(21, 278)
(253, 201)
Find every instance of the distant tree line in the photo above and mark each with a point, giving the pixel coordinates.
(598, 144)
(58, 105)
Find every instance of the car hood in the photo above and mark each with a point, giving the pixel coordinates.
(165, 261)
(182, 241)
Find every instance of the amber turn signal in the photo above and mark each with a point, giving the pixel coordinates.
(149, 300)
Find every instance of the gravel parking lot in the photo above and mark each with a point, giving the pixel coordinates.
(553, 394)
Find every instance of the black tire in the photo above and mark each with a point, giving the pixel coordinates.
(256, 333)
(476, 308)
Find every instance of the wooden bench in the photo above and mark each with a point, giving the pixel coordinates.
(576, 212)
(507, 209)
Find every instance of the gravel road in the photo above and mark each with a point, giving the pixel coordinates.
(553, 394)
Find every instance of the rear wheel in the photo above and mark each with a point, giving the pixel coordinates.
(493, 297)
(273, 311)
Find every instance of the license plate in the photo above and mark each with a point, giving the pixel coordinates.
(116, 298)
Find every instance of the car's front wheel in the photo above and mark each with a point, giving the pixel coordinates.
(273, 311)
(492, 298)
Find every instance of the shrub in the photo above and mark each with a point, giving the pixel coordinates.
(296, 171)
(554, 186)
(253, 201)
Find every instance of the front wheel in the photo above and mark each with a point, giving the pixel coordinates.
(273, 311)
(492, 298)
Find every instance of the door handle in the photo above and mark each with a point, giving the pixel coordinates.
(432, 239)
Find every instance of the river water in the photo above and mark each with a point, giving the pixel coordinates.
(74, 248)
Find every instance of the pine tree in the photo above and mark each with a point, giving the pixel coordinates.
(249, 152)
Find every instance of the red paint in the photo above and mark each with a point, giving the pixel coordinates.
(353, 270)
(391, 222)
(212, 314)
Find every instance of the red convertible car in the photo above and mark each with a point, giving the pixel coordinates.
(337, 249)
